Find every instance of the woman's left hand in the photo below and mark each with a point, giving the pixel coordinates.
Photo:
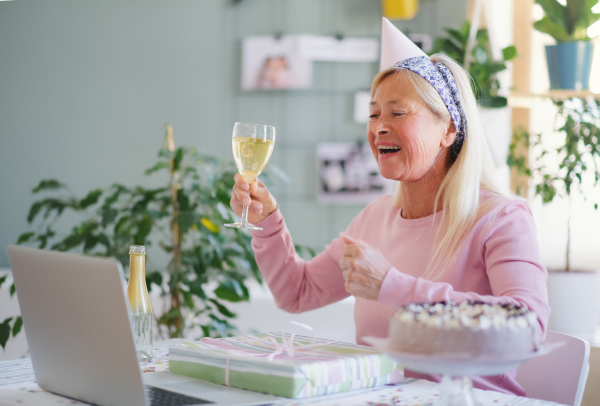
(364, 268)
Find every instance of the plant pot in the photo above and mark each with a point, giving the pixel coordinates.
(574, 299)
(400, 10)
(569, 64)
(498, 132)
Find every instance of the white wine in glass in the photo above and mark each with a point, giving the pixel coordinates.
(252, 147)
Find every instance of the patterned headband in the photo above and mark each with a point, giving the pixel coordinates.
(442, 80)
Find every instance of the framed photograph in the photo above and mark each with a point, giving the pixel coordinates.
(348, 174)
(423, 41)
(273, 63)
(328, 48)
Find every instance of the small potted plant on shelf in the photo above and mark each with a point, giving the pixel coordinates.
(570, 59)
(561, 172)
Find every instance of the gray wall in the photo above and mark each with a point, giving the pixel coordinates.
(86, 88)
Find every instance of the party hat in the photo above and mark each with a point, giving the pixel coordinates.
(395, 46)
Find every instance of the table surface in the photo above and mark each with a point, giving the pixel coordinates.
(18, 387)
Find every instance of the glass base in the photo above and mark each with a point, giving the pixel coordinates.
(144, 356)
(456, 391)
(243, 225)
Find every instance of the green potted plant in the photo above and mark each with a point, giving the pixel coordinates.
(570, 59)
(480, 64)
(202, 264)
(561, 172)
(484, 69)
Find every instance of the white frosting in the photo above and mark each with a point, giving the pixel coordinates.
(467, 314)
(473, 328)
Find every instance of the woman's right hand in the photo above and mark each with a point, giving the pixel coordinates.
(260, 201)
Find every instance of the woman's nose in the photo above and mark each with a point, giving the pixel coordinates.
(380, 127)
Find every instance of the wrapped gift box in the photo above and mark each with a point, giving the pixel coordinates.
(284, 365)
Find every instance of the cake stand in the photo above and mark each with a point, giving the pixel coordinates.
(457, 370)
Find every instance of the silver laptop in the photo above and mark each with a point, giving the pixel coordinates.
(76, 317)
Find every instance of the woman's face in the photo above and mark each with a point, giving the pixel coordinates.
(405, 136)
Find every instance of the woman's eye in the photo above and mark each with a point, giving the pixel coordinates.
(373, 116)
(395, 114)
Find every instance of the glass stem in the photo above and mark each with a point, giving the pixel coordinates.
(456, 391)
(245, 212)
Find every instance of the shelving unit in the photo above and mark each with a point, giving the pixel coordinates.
(526, 100)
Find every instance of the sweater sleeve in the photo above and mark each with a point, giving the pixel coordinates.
(297, 285)
(513, 266)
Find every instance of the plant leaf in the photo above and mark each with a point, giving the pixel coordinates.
(5, 332)
(177, 159)
(554, 12)
(222, 309)
(108, 216)
(17, 326)
(481, 55)
(34, 210)
(509, 53)
(144, 229)
(48, 184)
(25, 237)
(232, 290)
(494, 101)
(210, 226)
(154, 278)
(157, 167)
(549, 27)
(91, 198)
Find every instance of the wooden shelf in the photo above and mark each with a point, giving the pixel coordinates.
(566, 94)
(525, 100)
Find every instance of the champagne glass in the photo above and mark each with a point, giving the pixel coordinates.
(252, 147)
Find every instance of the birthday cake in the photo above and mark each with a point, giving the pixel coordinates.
(469, 329)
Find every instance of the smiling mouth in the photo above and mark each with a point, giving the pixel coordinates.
(388, 149)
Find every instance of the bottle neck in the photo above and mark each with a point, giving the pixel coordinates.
(137, 290)
(137, 266)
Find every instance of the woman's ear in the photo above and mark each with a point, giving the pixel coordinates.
(449, 136)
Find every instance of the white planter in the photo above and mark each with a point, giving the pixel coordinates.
(497, 126)
(574, 299)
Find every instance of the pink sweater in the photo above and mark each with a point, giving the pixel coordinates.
(500, 263)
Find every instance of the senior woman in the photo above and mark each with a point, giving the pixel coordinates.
(448, 232)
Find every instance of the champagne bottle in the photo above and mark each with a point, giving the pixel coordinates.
(139, 301)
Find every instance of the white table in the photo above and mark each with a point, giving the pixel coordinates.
(18, 387)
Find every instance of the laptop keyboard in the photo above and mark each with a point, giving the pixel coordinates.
(162, 397)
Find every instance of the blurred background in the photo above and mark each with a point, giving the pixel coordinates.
(87, 87)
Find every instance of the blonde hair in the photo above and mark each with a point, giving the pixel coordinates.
(468, 172)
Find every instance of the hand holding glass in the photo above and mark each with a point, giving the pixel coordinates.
(252, 147)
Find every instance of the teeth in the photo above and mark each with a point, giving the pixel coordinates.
(388, 149)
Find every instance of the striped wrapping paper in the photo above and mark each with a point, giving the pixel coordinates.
(322, 367)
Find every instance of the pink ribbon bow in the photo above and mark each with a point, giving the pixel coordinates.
(287, 345)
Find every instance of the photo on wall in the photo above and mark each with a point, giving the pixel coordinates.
(348, 174)
(423, 41)
(273, 63)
